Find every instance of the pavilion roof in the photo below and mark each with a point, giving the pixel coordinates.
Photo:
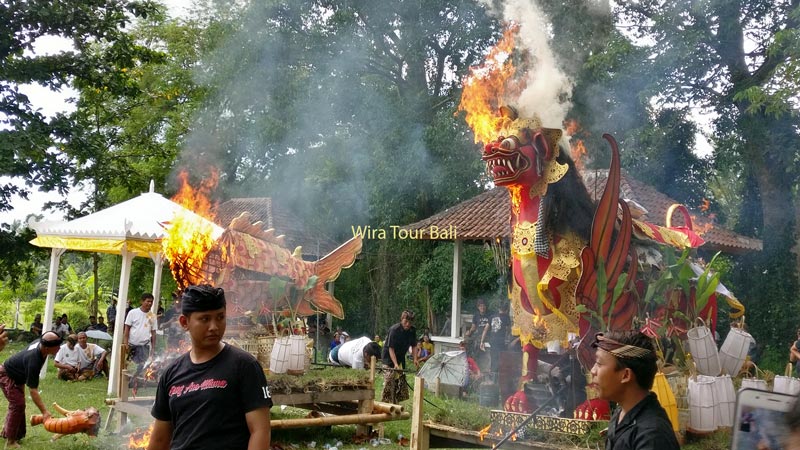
(486, 216)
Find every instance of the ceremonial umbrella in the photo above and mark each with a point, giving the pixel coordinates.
(97, 334)
(449, 367)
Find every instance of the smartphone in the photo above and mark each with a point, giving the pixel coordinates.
(760, 421)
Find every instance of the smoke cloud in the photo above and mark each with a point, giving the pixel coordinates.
(548, 89)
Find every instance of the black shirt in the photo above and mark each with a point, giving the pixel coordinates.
(498, 329)
(645, 427)
(24, 367)
(400, 340)
(480, 321)
(207, 402)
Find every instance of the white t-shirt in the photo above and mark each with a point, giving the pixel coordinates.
(71, 357)
(141, 323)
(351, 353)
(92, 351)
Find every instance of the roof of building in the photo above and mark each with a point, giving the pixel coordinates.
(486, 216)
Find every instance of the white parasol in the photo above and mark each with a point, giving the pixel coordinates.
(97, 334)
(449, 367)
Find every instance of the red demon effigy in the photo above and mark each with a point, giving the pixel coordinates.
(575, 265)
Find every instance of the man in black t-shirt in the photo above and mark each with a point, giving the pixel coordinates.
(479, 320)
(215, 396)
(16, 372)
(399, 338)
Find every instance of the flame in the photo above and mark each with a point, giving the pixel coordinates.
(703, 226)
(484, 431)
(515, 193)
(487, 85)
(140, 438)
(150, 373)
(189, 237)
(578, 149)
(705, 205)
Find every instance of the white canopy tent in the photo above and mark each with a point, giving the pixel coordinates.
(132, 228)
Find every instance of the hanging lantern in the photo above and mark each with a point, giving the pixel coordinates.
(666, 398)
(704, 350)
(702, 415)
(734, 351)
(725, 395)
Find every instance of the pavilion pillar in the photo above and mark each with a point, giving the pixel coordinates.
(50, 303)
(117, 358)
(158, 260)
(455, 311)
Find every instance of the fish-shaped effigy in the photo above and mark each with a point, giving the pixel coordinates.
(259, 274)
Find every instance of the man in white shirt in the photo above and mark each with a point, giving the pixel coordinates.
(60, 328)
(70, 359)
(140, 331)
(355, 353)
(95, 356)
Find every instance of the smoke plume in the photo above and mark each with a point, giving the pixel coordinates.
(548, 89)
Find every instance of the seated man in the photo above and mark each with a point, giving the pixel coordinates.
(355, 354)
(69, 360)
(95, 357)
(92, 324)
(36, 326)
(101, 325)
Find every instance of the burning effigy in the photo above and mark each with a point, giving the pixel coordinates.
(578, 268)
(267, 286)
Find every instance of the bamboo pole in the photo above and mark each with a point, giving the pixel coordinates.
(349, 419)
(391, 408)
(384, 408)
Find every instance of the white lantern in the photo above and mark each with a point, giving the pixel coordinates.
(725, 396)
(734, 351)
(754, 383)
(786, 384)
(704, 350)
(297, 354)
(702, 415)
(279, 358)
